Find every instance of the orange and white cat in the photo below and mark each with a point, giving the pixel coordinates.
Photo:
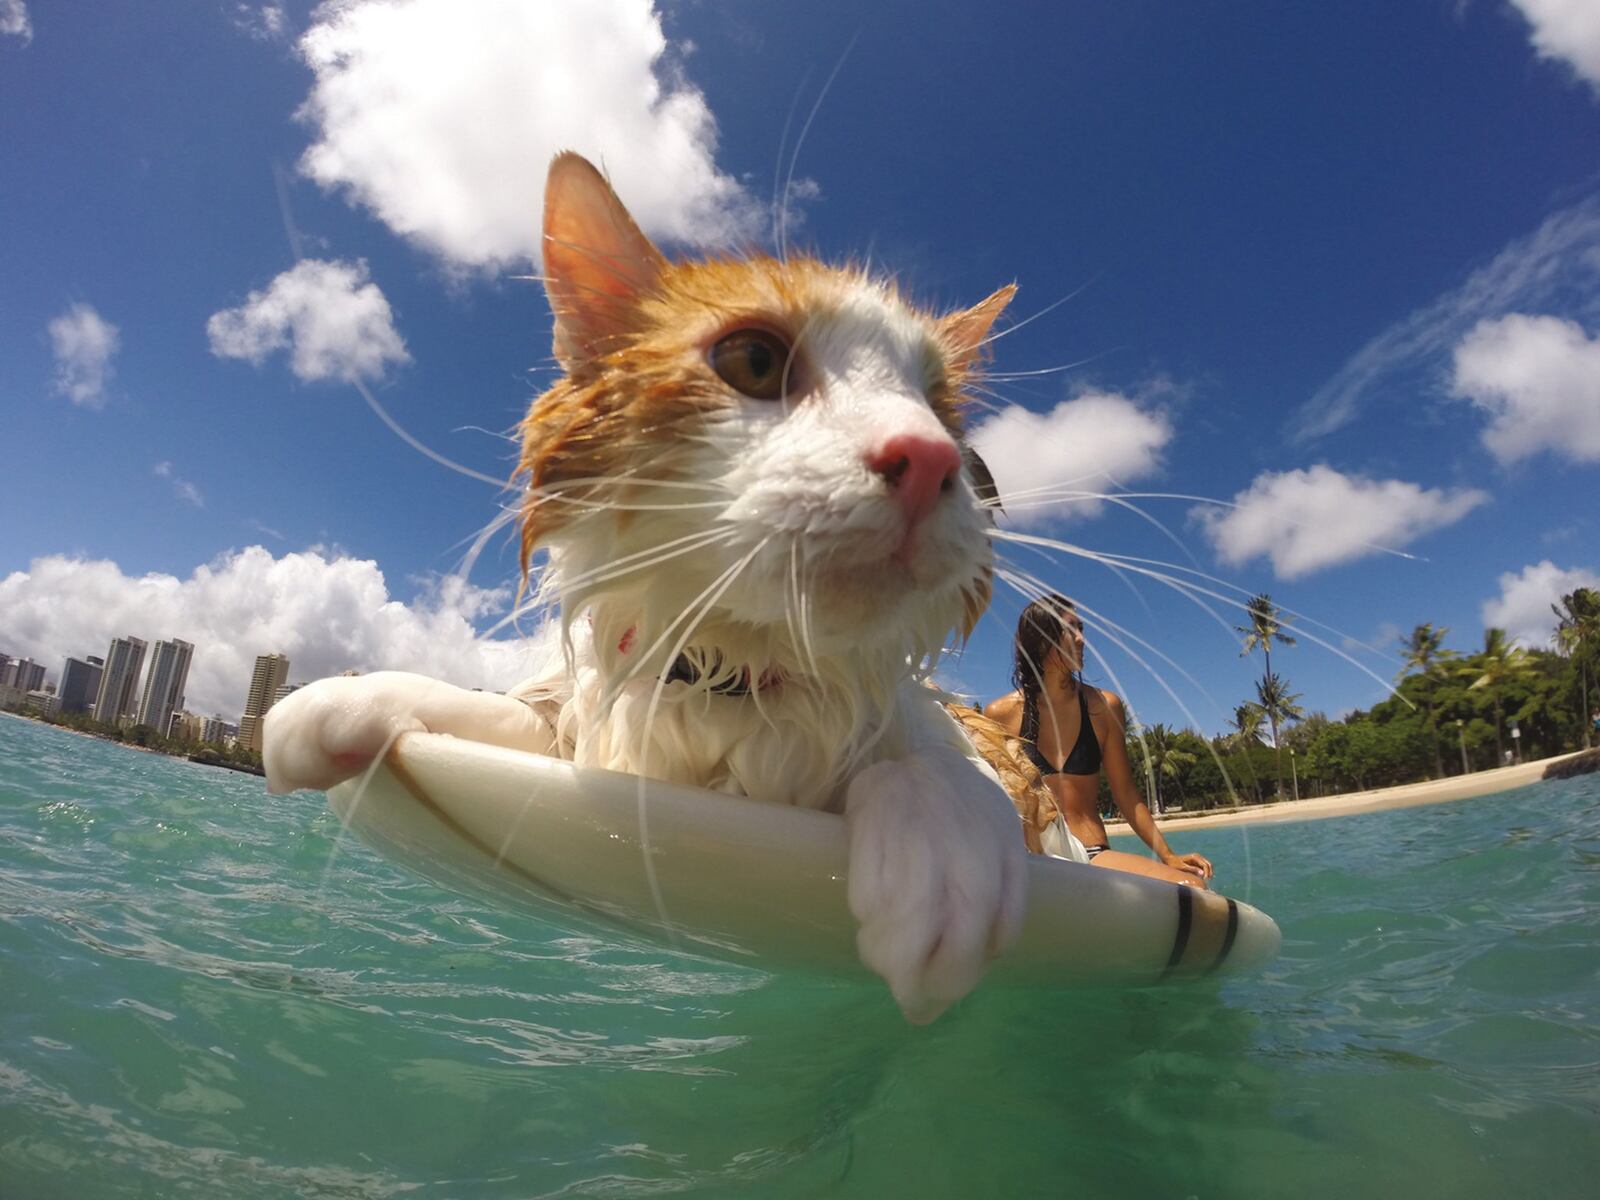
(761, 531)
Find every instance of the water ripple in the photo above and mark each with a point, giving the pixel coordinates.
(207, 991)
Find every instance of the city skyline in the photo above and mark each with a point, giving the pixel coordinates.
(123, 687)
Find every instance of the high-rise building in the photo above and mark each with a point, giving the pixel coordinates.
(163, 686)
(186, 726)
(271, 670)
(215, 729)
(22, 673)
(119, 680)
(80, 683)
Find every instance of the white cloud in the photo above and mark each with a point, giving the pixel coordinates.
(442, 118)
(1538, 378)
(1567, 31)
(1306, 520)
(1554, 269)
(332, 320)
(326, 612)
(1522, 608)
(84, 343)
(185, 490)
(14, 20)
(263, 22)
(1091, 443)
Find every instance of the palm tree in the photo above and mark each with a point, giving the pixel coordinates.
(1578, 636)
(1502, 662)
(1426, 656)
(1279, 704)
(1263, 630)
(1246, 727)
(1165, 759)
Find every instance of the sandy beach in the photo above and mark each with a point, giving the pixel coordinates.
(1436, 791)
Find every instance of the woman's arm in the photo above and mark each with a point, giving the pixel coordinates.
(1006, 712)
(1119, 774)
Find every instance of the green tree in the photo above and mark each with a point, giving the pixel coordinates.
(1280, 705)
(1264, 629)
(1502, 664)
(1245, 734)
(1166, 759)
(1578, 638)
(1426, 660)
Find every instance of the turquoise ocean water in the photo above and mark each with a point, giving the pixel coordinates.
(199, 997)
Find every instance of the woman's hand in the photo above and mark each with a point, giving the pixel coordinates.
(1194, 864)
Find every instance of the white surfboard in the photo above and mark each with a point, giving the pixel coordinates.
(745, 880)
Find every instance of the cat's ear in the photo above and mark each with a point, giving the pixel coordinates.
(964, 334)
(596, 261)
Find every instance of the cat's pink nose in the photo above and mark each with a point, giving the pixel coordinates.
(918, 468)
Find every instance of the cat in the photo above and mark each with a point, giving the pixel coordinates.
(762, 528)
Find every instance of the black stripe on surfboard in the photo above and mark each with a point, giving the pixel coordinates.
(1180, 940)
(1227, 938)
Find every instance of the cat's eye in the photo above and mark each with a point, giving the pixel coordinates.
(754, 362)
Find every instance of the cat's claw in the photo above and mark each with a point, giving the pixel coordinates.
(331, 730)
(937, 876)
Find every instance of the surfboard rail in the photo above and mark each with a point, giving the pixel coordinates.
(745, 880)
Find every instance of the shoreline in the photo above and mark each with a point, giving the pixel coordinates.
(99, 737)
(1348, 804)
(111, 741)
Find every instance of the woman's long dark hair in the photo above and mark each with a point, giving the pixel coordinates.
(1039, 631)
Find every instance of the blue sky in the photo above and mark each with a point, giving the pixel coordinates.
(1337, 264)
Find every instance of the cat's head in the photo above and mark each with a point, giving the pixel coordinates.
(780, 442)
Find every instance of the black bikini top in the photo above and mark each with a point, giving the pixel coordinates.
(1085, 756)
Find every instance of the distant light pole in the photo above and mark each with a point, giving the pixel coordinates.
(1294, 771)
(1462, 734)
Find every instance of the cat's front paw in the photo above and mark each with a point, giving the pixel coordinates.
(938, 876)
(331, 730)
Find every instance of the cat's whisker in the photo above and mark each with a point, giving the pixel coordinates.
(1191, 591)
(400, 431)
(1119, 500)
(804, 593)
(975, 397)
(1297, 524)
(799, 143)
(507, 516)
(1045, 311)
(1107, 625)
(1071, 366)
(1300, 620)
(1120, 564)
(644, 660)
(503, 435)
(628, 564)
(791, 594)
(296, 249)
(1116, 568)
(629, 477)
(707, 600)
(777, 212)
(584, 504)
(653, 557)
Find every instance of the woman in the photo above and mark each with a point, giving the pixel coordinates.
(1072, 732)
